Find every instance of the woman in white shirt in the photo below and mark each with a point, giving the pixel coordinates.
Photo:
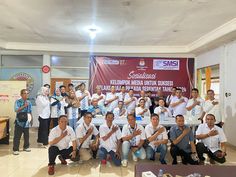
(57, 106)
(43, 108)
(141, 110)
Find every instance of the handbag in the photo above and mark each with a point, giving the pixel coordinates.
(22, 116)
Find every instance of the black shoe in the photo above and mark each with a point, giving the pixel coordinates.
(174, 162)
(163, 162)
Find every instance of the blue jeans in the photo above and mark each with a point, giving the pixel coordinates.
(72, 123)
(162, 149)
(126, 148)
(102, 153)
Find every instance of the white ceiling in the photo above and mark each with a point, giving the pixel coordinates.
(133, 23)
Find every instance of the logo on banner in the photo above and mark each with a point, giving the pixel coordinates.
(24, 77)
(166, 64)
(142, 65)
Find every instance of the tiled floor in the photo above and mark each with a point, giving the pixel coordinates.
(34, 164)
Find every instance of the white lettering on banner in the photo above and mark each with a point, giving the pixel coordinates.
(165, 83)
(133, 75)
(111, 62)
(120, 82)
(166, 64)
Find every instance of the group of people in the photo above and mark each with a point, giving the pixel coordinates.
(68, 139)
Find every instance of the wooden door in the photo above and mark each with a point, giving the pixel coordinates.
(56, 82)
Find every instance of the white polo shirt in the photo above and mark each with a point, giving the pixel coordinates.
(81, 131)
(197, 111)
(117, 112)
(180, 108)
(43, 106)
(162, 115)
(65, 142)
(100, 102)
(148, 101)
(111, 143)
(111, 106)
(149, 130)
(212, 142)
(84, 103)
(209, 108)
(121, 96)
(131, 106)
(139, 110)
(127, 130)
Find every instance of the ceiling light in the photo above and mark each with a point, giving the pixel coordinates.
(92, 31)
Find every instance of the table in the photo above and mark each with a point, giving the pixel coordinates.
(4, 130)
(184, 170)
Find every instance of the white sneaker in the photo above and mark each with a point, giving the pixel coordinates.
(124, 163)
(16, 153)
(27, 150)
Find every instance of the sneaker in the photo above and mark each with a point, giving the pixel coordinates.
(63, 161)
(27, 150)
(51, 169)
(16, 153)
(103, 162)
(201, 162)
(163, 162)
(135, 159)
(212, 162)
(124, 163)
(174, 162)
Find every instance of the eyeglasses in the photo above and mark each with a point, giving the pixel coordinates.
(25, 93)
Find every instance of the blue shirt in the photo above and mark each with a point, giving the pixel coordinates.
(19, 103)
(93, 109)
(184, 144)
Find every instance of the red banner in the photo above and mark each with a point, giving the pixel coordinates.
(142, 73)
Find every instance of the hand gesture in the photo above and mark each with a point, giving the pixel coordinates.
(114, 129)
(90, 130)
(215, 102)
(26, 104)
(186, 130)
(161, 130)
(213, 133)
(137, 132)
(182, 100)
(63, 134)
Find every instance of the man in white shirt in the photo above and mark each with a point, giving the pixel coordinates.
(157, 137)
(110, 141)
(133, 136)
(120, 111)
(112, 98)
(162, 111)
(130, 102)
(85, 141)
(122, 93)
(212, 141)
(211, 106)
(195, 106)
(60, 138)
(148, 101)
(178, 103)
(171, 96)
(84, 97)
(99, 96)
(142, 111)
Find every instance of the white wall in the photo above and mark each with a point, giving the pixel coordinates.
(225, 56)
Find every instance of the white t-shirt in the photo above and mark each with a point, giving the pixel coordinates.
(65, 142)
(100, 102)
(131, 106)
(149, 130)
(111, 106)
(43, 106)
(162, 115)
(197, 111)
(111, 143)
(148, 102)
(84, 103)
(180, 108)
(81, 131)
(127, 130)
(212, 142)
(117, 112)
(209, 108)
(139, 110)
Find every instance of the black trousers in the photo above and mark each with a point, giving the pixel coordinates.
(17, 136)
(54, 122)
(185, 156)
(201, 149)
(53, 152)
(43, 130)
